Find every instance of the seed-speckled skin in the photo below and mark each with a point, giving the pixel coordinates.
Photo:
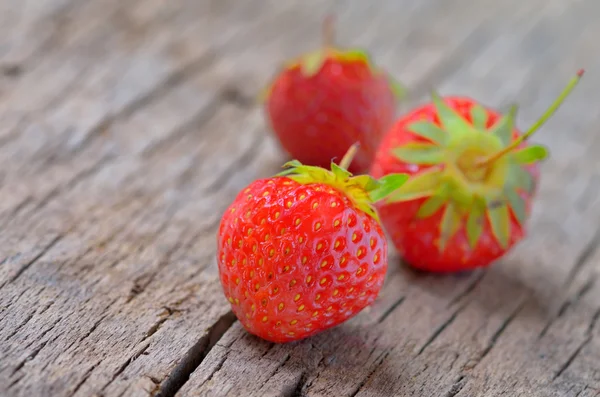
(297, 259)
(415, 238)
(317, 118)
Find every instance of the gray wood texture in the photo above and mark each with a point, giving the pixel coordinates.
(127, 126)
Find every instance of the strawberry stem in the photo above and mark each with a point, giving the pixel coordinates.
(547, 114)
(328, 32)
(349, 156)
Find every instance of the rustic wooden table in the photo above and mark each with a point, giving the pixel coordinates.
(127, 126)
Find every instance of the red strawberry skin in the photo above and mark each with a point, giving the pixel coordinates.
(414, 237)
(316, 118)
(296, 259)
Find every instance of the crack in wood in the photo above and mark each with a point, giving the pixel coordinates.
(217, 368)
(27, 319)
(295, 389)
(236, 97)
(594, 322)
(20, 326)
(588, 388)
(37, 257)
(15, 299)
(306, 381)
(102, 243)
(390, 310)
(441, 328)
(587, 287)
(127, 363)
(242, 161)
(457, 386)
(84, 378)
(73, 182)
(164, 260)
(137, 215)
(208, 228)
(94, 326)
(363, 382)
(567, 304)
(37, 350)
(53, 103)
(373, 348)
(156, 326)
(271, 346)
(281, 364)
(195, 355)
(14, 381)
(586, 254)
(571, 358)
(12, 71)
(8, 138)
(14, 212)
(454, 360)
(470, 288)
(500, 331)
(50, 41)
(196, 122)
(54, 193)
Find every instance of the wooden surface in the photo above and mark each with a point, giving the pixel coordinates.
(127, 126)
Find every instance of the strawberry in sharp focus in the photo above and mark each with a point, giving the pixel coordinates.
(324, 101)
(303, 251)
(473, 179)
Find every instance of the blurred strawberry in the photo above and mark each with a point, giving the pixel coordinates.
(324, 101)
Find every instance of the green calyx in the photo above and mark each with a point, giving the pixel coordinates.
(362, 190)
(473, 172)
(311, 63)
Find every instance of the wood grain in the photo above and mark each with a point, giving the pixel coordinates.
(126, 127)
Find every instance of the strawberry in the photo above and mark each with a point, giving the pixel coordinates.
(323, 101)
(473, 180)
(303, 251)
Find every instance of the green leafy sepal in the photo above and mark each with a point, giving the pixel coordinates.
(311, 63)
(453, 183)
(363, 190)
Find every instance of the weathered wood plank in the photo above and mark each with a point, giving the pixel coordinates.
(143, 128)
(139, 239)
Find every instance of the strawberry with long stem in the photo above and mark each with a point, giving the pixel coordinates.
(325, 100)
(473, 179)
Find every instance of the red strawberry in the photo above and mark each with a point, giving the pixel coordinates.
(303, 251)
(473, 178)
(324, 101)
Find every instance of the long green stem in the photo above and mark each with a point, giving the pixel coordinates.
(547, 114)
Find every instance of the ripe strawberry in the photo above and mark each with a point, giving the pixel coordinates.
(324, 101)
(303, 251)
(473, 178)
